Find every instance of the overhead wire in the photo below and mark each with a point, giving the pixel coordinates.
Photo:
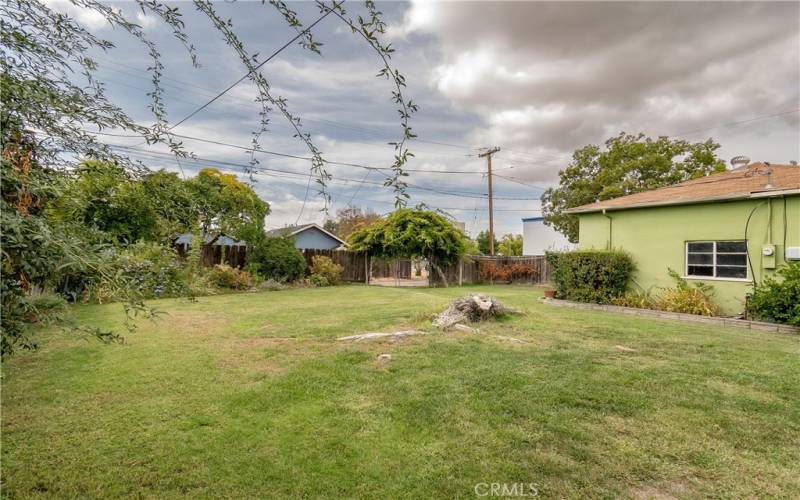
(467, 194)
(299, 35)
(300, 178)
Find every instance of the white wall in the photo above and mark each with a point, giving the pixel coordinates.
(538, 238)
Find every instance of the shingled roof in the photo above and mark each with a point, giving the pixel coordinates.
(292, 230)
(745, 182)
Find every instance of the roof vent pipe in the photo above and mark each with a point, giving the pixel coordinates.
(739, 161)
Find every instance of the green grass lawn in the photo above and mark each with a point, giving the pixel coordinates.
(250, 395)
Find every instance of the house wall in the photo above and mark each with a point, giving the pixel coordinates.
(656, 237)
(537, 238)
(314, 238)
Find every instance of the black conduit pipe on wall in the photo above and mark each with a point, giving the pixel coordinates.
(747, 244)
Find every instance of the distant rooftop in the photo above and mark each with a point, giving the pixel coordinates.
(292, 230)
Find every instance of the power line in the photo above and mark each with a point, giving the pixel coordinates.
(237, 82)
(244, 102)
(295, 178)
(467, 194)
(288, 155)
(532, 158)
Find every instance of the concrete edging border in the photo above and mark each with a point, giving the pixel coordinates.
(739, 323)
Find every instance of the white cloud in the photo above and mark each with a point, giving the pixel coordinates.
(89, 18)
(145, 21)
(552, 76)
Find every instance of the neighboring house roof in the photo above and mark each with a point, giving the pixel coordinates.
(293, 230)
(219, 240)
(532, 219)
(745, 182)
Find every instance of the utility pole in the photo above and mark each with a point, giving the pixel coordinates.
(488, 154)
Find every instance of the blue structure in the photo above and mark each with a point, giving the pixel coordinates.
(309, 236)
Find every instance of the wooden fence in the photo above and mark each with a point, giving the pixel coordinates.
(395, 268)
(468, 270)
(212, 255)
(354, 265)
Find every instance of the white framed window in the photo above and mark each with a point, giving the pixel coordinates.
(716, 259)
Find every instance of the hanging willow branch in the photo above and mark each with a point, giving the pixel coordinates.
(369, 29)
(265, 96)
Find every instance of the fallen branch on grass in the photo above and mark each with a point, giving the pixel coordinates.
(377, 335)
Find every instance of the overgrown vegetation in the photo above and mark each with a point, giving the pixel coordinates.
(350, 219)
(225, 276)
(684, 297)
(777, 299)
(598, 276)
(412, 233)
(510, 273)
(276, 259)
(325, 272)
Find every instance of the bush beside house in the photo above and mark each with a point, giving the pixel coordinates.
(591, 275)
(778, 300)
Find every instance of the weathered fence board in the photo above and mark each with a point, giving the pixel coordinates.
(212, 255)
(468, 270)
(395, 268)
(354, 265)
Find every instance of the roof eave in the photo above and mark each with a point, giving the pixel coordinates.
(321, 229)
(667, 203)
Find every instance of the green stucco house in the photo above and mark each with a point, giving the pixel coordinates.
(729, 229)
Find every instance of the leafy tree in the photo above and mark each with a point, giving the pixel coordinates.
(226, 205)
(510, 245)
(106, 197)
(349, 219)
(158, 205)
(472, 248)
(171, 198)
(483, 242)
(412, 233)
(629, 164)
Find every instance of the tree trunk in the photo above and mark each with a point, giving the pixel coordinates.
(439, 271)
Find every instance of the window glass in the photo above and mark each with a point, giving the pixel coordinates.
(701, 271)
(731, 247)
(704, 246)
(701, 258)
(716, 259)
(731, 272)
(731, 259)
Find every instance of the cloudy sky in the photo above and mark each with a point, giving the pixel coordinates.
(537, 79)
